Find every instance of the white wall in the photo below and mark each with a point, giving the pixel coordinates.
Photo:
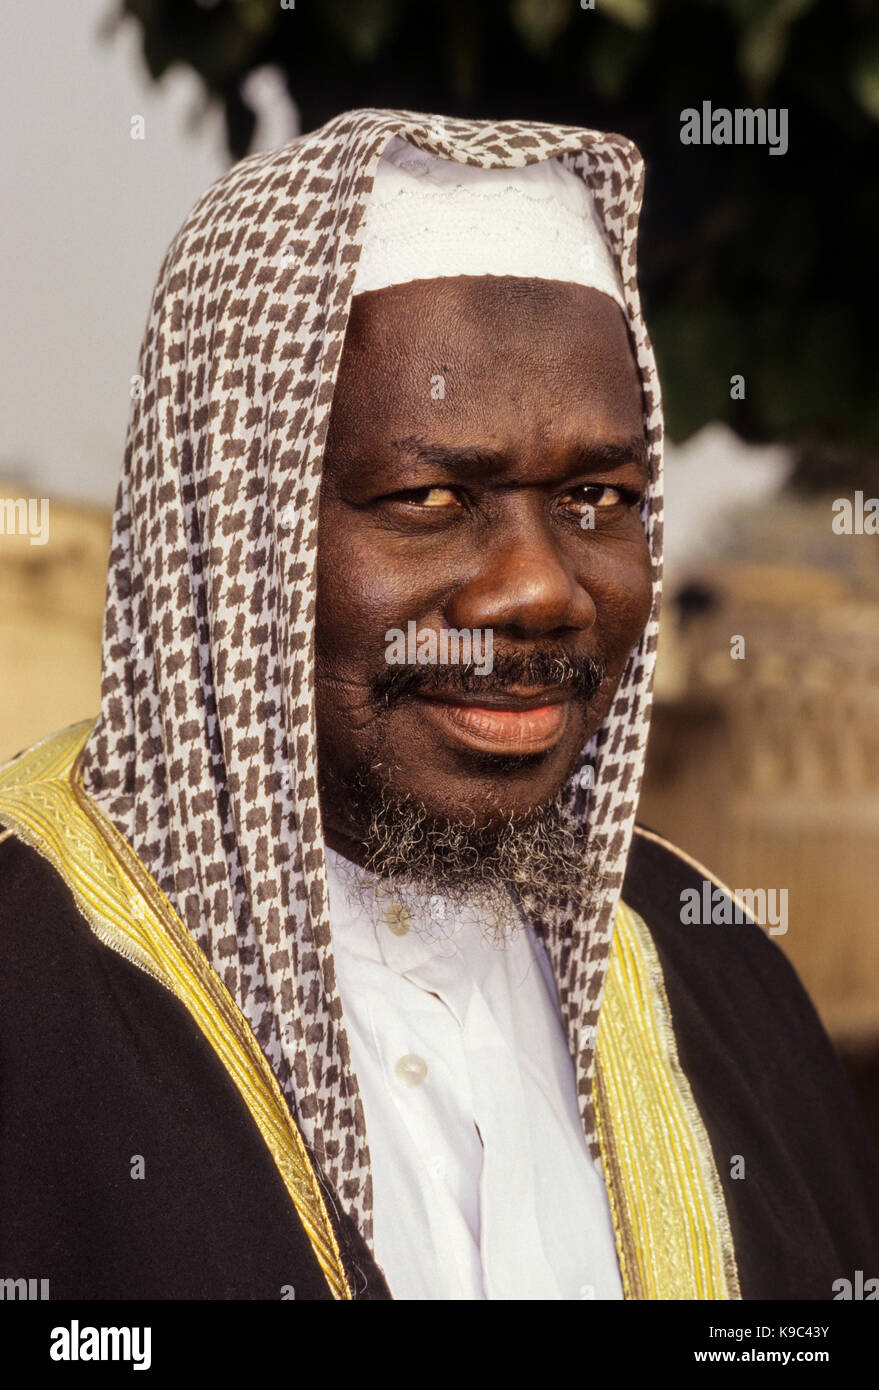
(88, 214)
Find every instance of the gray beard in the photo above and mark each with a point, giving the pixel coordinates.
(441, 870)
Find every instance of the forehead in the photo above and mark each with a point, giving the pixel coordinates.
(472, 349)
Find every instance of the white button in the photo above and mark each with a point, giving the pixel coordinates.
(411, 1069)
(398, 919)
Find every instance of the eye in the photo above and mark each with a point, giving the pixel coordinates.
(599, 497)
(431, 498)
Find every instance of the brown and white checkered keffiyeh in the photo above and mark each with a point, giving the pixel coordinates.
(204, 752)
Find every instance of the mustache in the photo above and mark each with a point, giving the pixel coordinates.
(583, 676)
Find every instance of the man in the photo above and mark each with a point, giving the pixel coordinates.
(333, 964)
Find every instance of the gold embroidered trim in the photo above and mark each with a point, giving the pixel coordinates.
(43, 801)
(669, 1214)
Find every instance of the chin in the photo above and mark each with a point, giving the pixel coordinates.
(490, 801)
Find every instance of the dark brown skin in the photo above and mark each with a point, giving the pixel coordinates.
(541, 375)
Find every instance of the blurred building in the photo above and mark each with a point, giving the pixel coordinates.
(51, 610)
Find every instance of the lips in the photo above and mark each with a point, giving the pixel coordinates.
(507, 722)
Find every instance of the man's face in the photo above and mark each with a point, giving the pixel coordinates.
(476, 422)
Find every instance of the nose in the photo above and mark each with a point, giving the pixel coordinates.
(525, 586)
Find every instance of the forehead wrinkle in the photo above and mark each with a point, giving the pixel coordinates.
(600, 456)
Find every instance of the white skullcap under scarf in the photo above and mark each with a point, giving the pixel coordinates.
(429, 217)
(204, 752)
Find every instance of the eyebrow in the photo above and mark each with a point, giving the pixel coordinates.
(585, 458)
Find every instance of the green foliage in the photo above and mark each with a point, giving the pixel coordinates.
(750, 263)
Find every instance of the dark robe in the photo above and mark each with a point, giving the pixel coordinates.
(100, 1064)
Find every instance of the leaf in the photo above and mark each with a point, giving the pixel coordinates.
(865, 79)
(635, 14)
(257, 16)
(610, 59)
(539, 22)
(765, 39)
(362, 26)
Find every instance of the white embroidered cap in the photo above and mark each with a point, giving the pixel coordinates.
(430, 217)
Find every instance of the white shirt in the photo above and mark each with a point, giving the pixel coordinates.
(483, 1184)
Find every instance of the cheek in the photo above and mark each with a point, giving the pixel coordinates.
(345, 594)
(622, 590)
(362, 591)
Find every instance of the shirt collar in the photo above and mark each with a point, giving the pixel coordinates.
(375, 925)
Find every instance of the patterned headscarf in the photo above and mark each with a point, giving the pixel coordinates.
(204, 754)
